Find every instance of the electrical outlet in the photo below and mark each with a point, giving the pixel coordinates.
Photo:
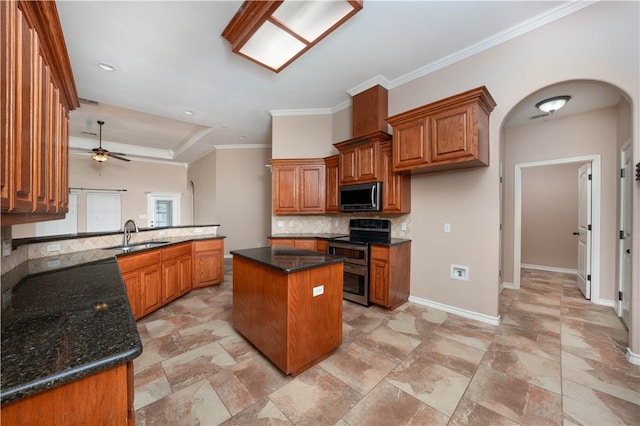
(447, 227)
(280, 224)
(460, 272)
(337, 224)
(53, 247)
(290, 224)
(317, 291)
(198, 230)
(6, 248)
(53, 263)
(403, 226)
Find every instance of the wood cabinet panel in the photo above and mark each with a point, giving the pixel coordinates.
(104, 398)
(176, 271)
(37, 93)
(134, 292)
(208, 262)
(449, 134)
(369, 111)
(396, 187)
(389, 275)
(312, 244)
(278, 313)
(332, 189)
(298, 186)
(150, 289)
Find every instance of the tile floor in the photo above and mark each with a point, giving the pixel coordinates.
(555, 359)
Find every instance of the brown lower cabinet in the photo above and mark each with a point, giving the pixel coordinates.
(312, 244)
(176, 271)
(154, 278)
(104, 398)
(208, 262)
(389, 275)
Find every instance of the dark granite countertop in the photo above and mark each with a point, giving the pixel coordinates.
(288, 259)
(65, 325)
(68, 317)
(321, 236)
(31, 240)
(393, 241)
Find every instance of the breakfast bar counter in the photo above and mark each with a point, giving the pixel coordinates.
(288, 303)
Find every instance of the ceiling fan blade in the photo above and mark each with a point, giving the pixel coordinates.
(117, 153)
(79, 149)
(111, 154)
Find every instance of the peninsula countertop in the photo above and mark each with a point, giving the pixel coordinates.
(65, 325)
(288, 259)
(68, 317)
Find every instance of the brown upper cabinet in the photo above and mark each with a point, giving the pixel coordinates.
(332, 189)
(298, 186)
(449, 134)
(369, 111)
(359, 158)
(37, 91)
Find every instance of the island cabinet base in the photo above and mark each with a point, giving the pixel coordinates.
(104, 398)
(278, 312)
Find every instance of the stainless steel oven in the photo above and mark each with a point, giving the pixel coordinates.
(356, 270)
(355, 248)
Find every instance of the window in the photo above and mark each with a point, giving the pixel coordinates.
(103, 212)
(163, 210)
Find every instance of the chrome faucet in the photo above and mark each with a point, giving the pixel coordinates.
(127, 230)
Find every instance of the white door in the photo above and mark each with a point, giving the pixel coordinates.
(624, 286)
(584, 230)
(163, 210)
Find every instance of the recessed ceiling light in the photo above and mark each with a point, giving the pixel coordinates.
(241, 138)
(187, 112)
(106, 66)
(553, 104)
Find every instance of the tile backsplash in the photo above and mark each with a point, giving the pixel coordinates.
(335, 224)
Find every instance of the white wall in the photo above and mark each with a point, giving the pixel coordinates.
(233, 188)
(137, 177)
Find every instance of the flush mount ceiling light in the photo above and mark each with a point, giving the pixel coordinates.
(274, 33)
(106, 66)
(551, 105)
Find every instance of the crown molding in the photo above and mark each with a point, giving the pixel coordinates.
(375, 81)
(244, 146)
(495, 40)
(308, 111)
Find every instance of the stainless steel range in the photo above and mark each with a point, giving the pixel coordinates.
(362, 232)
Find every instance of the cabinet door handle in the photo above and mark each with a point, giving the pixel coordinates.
(575, 233)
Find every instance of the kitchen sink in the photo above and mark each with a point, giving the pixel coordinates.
(137, 246)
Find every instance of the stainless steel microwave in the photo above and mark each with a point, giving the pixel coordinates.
(362, 197)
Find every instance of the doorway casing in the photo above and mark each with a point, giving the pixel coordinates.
(595, 218)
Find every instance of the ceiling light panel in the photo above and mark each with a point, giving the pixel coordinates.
(273, 33)
(272, 46)
(310, 19)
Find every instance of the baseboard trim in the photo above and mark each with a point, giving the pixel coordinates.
(549, 268)
(457, 311)
(633, 358)
(507, 285)
(605, 302)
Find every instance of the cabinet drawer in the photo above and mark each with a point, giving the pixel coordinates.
(132, 262)
(207, 245)
(176, 251)
(379, 252)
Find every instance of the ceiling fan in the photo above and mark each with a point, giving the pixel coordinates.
(101, 154)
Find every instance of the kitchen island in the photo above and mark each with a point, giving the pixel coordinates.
(288, 303)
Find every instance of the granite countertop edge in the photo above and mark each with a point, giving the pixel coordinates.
(263, 256)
